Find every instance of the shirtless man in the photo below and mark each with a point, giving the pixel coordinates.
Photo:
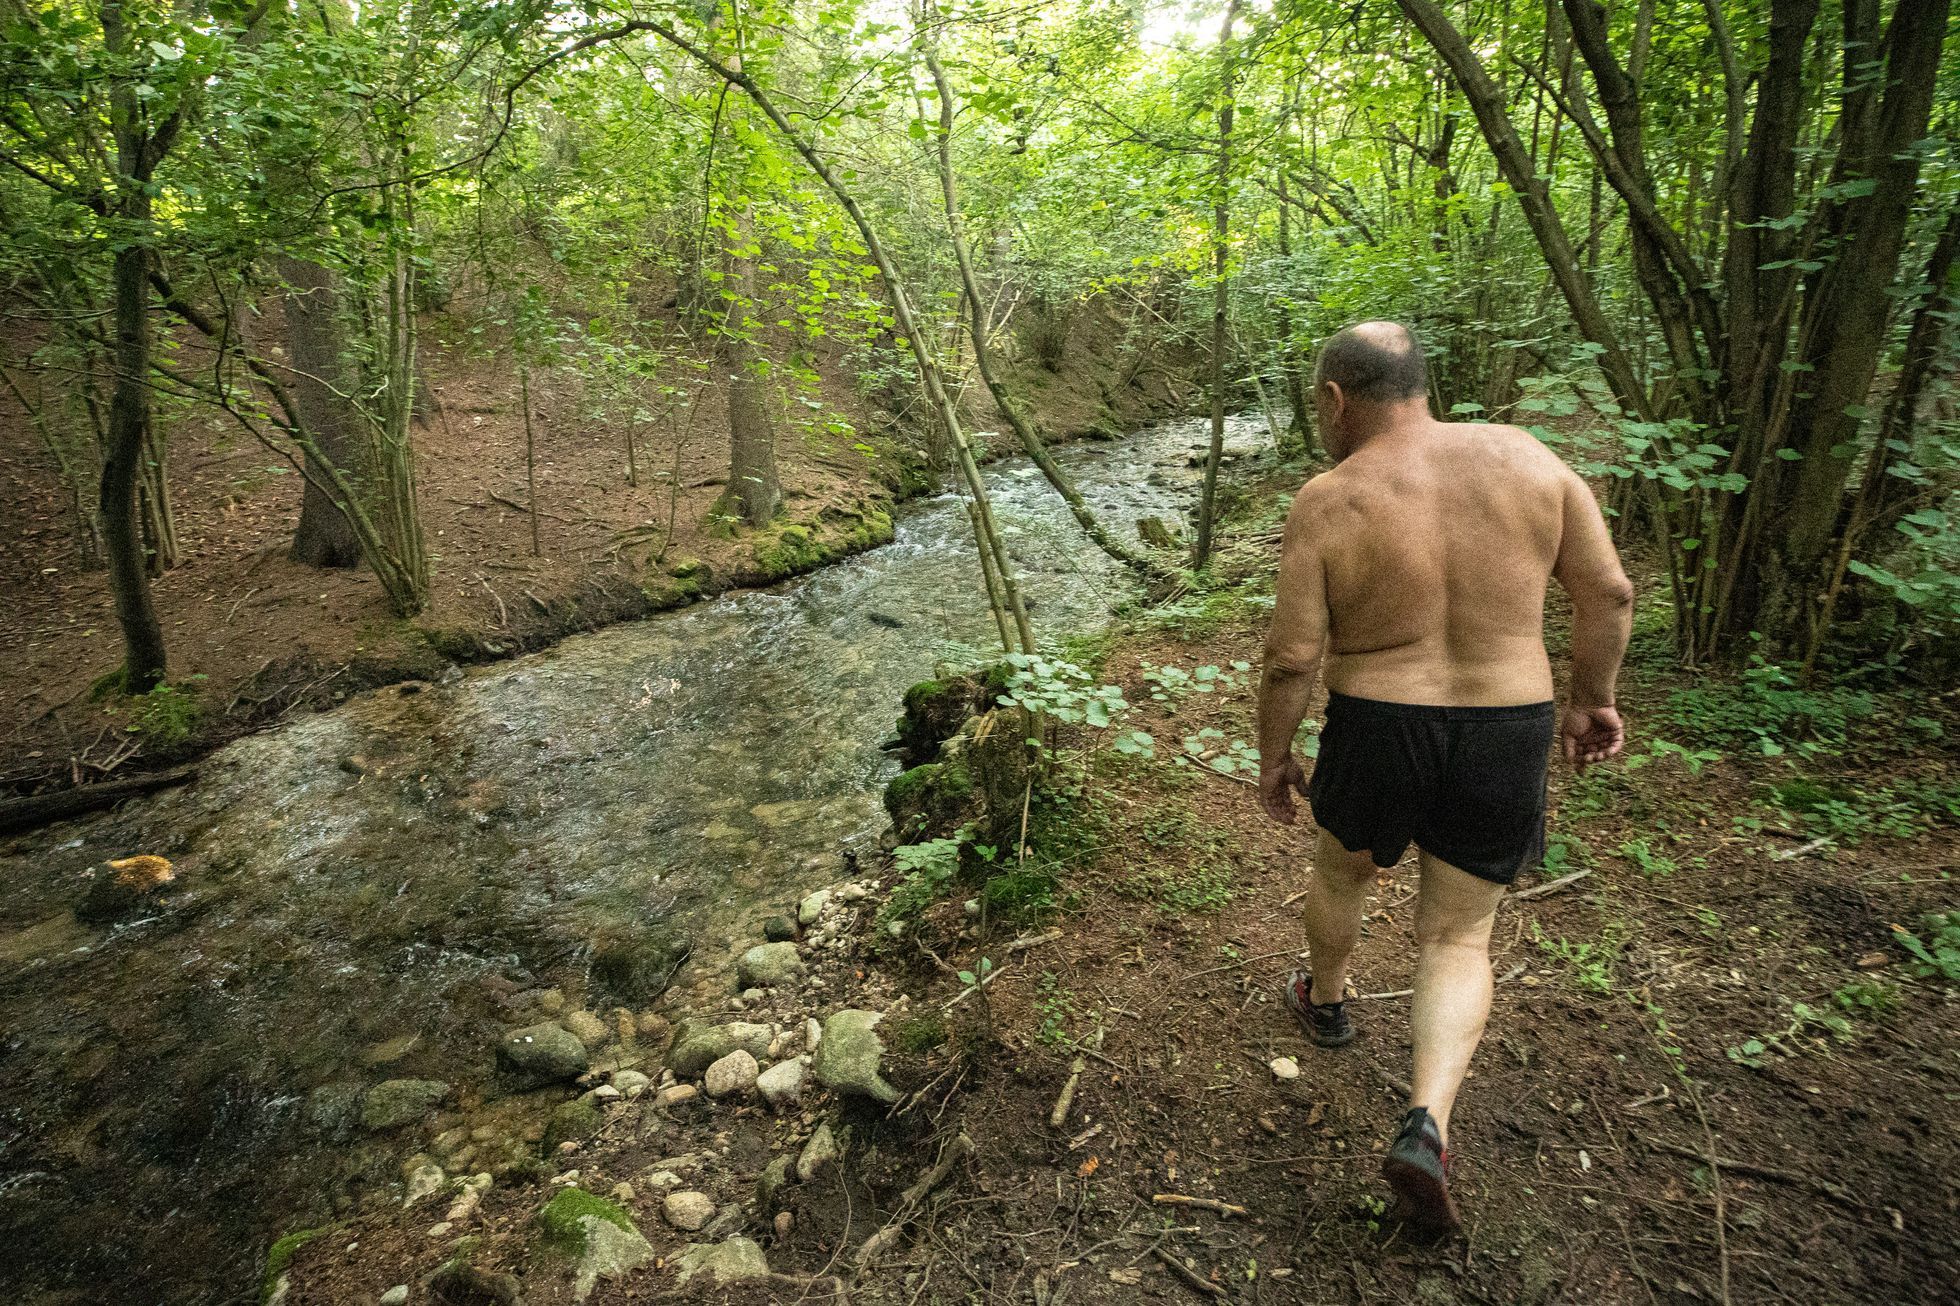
(1413, 577)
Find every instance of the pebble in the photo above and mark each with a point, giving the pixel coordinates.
(735, 1073)
(1285, 1069)
(812, 907)
(606, 1093)
(851, 893)
(752, 996)
(676, 1094)
(622, 1192)
(630, 1082)
(663, 1179)
(687, 1210)
(818, 1154)
(395, 1296)
(785, 1224)
(812, 1034)
(440, 1229)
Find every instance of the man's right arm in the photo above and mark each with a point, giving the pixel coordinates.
(1589, 571)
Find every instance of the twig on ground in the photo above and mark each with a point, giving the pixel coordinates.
(1243, 961)
(1550, 886)
(241, 603)
(1199, 1203)
(1399, 1085)
(1190, 1276)
(503, 613)
(1027, 941)
(1756, 1171)
(1792, 854)
(1650, 1099)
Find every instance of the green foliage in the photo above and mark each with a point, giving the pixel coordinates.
(1589, 963)
(1642, 853)
(1171, 685)
(1210, 747)
(1057, 690)
(1179, 890)
(280, 1255)
(168, 714)
(561, 1222)
(918, 1035)
(1766, 709)
(1937, 955)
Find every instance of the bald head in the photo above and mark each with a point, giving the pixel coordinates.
(1374, 362)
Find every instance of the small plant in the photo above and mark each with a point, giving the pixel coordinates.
(1058, 1011)
(1768, 711)
(166, 715)
(927, 866)
(1867, 998)
(1806, 1023)
(1937, 955)
(1565, 853)
(1590, 963)
(1172, 685)
(1210, 748)
(1188, 890)
(1059, 690)
(1652, 863)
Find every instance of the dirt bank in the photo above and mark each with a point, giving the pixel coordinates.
(254, 635)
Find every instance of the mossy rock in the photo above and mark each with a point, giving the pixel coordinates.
(573, 1121)
(561, 1222)
(787, 549)
(934, 712)
(280, 1255)
(929, 800)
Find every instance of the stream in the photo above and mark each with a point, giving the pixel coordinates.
(358, 887)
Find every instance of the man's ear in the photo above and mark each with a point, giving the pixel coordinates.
(1330, 393)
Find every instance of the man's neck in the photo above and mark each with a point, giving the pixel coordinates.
(1382, 424)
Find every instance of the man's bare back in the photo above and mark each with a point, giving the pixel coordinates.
(1436, 545)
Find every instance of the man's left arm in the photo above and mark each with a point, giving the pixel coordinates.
(1294, 646)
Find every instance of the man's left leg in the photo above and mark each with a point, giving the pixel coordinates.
(1335, 896)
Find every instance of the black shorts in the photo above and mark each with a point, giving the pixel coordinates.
(1465, 784)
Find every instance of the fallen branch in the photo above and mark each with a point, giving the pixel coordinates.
(951, 1155)
(39, 809)
(1794, 853)
(1550, 886)
(1027, 941)
(1067, 1099)
(1190, 1276)
(1199, 1203)
(1399, 1085)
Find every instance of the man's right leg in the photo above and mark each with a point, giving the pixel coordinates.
(1454, 914)
(1335, 896)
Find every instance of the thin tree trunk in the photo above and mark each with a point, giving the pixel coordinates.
(153, 499)
(976, 318)
(1221, 223)
(144, 661)
(530, 454)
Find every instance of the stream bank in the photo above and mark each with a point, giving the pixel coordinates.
(374, 895)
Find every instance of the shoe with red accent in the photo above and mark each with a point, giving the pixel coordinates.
(1325, 1024)
(1418, 1169)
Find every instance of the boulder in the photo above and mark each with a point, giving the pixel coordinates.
(727, 1262)
(396, 1102)
(687, 1210)
(543, 1054)
(774, 1178)
(731, 1075)
(459, 1283)
(850, 1054)
(696, 1047)
(573, 1121)
(637, 966)
(595, 1235)
(423, 1177)
(768, 964)
(778, 929)
(586, 1028)
(782, 1084)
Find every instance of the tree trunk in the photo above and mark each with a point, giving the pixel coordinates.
(144, 662)
(1221, 223)
(320, 388)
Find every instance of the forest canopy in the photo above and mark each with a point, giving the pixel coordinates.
(1705, 248)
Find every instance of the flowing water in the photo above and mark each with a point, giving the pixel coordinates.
(350, 880)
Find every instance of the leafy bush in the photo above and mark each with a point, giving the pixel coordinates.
(1767, 709)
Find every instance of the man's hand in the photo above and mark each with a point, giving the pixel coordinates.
(1276, 787)
(1591, 734)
